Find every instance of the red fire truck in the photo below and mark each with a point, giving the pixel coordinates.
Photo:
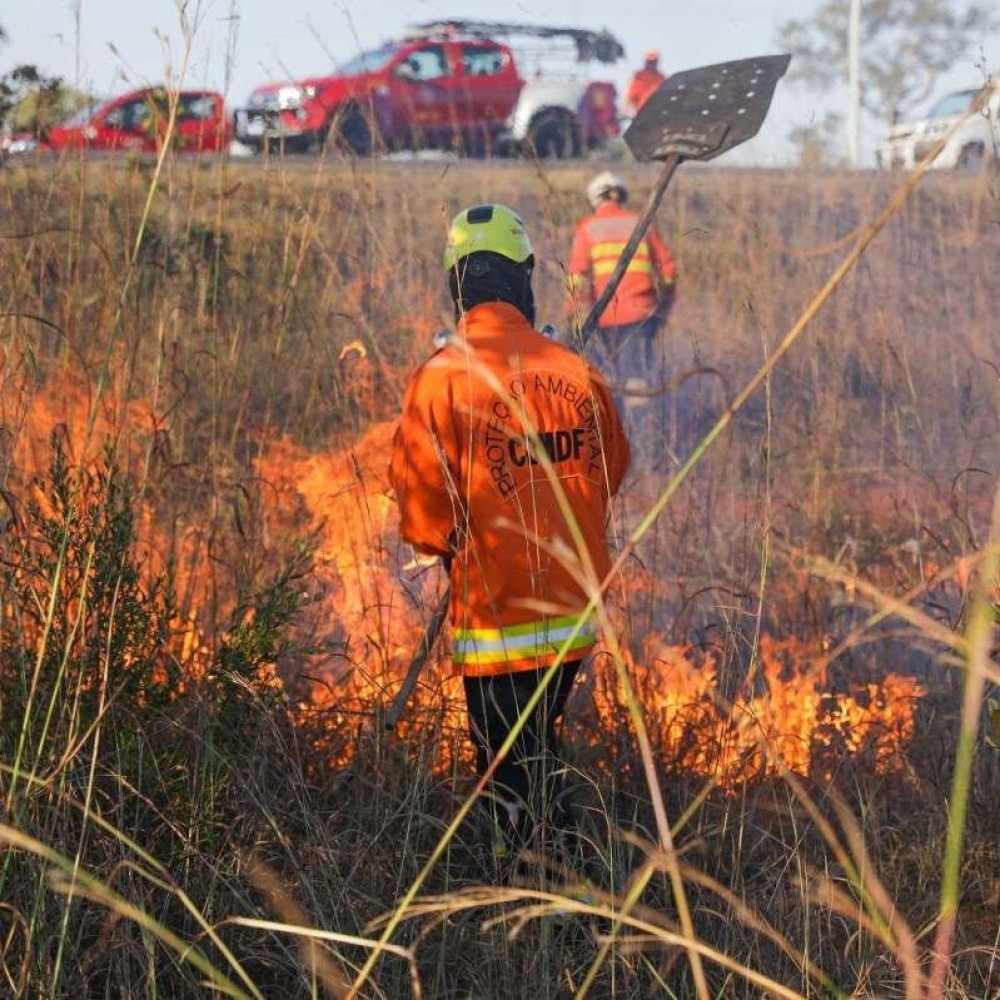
(448, 84)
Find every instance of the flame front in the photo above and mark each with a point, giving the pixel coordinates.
(370, 601)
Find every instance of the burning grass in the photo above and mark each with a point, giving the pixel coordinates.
(206, 609)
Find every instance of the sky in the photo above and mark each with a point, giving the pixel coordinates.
(110, 46)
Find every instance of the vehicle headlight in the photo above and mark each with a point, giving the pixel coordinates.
(19, 145)
(291, 98)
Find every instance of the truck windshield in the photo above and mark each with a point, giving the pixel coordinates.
(369, 62)
(83, 116)
(952, 104)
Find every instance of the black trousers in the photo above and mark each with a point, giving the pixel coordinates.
(527, 785)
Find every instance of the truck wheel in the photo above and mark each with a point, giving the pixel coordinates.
(352, 131)
(554, 135)
(971, 157)
(311, 143)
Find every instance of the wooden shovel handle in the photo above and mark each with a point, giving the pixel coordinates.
(420, 657)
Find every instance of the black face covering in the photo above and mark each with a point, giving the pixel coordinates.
(491, 277)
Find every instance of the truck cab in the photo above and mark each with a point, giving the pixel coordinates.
(137, 122)
(433, 92)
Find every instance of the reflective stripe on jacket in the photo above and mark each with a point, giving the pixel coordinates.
(597, 246)
(471, 479)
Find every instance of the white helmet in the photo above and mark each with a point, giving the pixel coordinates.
(602, 185)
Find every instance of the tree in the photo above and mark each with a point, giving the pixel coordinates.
(905, 47)
(28, 100)
(31, 102)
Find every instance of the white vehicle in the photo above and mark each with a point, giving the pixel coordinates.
(975, 141)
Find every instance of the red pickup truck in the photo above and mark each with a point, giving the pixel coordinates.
(137, 122)
(448, 85)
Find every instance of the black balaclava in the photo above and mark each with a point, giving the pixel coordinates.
(490, 277)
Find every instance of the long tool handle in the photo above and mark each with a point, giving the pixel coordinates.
(424, 649)
(670, 164)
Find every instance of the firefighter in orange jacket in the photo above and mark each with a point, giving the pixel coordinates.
(625, 344)
(645, 82)
(506, 457)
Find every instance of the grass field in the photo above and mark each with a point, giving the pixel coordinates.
(205, 608)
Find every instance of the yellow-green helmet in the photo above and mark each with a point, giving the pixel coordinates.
(492, 228)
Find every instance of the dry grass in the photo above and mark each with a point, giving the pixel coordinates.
(173, 814)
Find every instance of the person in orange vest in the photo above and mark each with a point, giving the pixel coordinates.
(645, 82)
(626, 343)
(505, 460)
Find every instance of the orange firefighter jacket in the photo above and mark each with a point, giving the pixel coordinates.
(642, 86)
(523, 514)
(597, 245)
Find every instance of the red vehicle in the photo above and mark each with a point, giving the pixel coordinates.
(449, 85)
(137, 122)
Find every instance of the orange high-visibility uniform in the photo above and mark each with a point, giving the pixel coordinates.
(470, 482)
(642, 86)
(597, 246)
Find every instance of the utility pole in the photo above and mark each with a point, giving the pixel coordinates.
(854, 84)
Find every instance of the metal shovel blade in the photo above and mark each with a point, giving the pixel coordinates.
(699, 113)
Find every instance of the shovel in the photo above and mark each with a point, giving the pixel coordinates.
(424, 649)
(697, 114)
(694, 115)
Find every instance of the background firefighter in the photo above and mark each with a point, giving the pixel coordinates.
(645, 82)
(626, 344)
(505, 437)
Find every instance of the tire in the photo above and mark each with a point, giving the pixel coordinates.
(554, 135)
(351, 131)
(971, 158)
(309, 143)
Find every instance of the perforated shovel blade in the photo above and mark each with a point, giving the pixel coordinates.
(700, 113)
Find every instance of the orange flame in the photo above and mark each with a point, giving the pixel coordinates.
(797, 722)
(368, 615)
